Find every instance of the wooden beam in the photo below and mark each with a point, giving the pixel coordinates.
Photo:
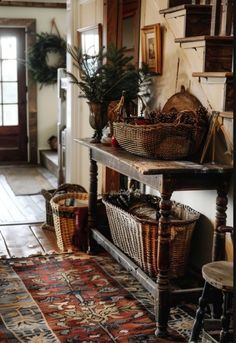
(32, 4)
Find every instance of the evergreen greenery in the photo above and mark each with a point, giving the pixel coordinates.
(105, 76)
(37, 58)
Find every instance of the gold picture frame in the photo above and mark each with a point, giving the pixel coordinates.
(90, 39)
(151, 47)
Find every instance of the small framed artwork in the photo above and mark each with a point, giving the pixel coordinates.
(90, 39)
(151, 47)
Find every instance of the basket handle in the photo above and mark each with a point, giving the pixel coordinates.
(47, 195)
(69, 187)
(182, 113)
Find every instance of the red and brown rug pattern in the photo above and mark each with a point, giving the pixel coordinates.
(76, 298)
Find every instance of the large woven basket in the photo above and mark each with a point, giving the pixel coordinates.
(64, 218)
(166, 141)
(49, 194)
(138, 238)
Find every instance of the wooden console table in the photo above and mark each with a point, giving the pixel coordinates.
(166, 177)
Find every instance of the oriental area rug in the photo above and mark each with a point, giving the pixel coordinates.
(74, 298)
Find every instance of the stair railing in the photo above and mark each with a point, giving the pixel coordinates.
(221, 16)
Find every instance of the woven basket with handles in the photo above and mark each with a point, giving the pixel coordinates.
(49, 194)
(64, 218)
(167, 141)
(138, 237)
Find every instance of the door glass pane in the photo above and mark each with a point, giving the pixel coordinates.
(9, 70)
(8, 45)
(9, 92)
(128, 32)
(0, 93)
(10, 114)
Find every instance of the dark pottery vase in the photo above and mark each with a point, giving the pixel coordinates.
(98, 119)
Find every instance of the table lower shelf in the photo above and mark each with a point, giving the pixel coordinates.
(177, 294)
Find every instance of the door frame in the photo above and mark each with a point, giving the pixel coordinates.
(32, 127)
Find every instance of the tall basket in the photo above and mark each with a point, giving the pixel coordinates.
(49, 194)
(64, 217)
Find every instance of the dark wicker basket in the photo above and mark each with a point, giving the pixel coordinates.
(138, 237)
(49, 194)
(167, 141)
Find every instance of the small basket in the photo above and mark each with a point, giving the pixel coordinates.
(64, 218)
(138, 238)
(167, 141)
(49, 194)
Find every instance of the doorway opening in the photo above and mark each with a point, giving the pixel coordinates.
(18, 117)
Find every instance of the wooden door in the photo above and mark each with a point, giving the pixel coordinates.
(122, 28)
(13, 123)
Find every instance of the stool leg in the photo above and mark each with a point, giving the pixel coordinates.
(225, 318)
(217, 302)
(198, 322)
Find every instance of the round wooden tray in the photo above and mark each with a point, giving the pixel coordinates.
(182, 101)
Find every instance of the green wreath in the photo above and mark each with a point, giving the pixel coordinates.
(38, 58)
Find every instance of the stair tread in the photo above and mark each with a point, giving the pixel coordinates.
(49, 159)
(205, 8)
(51, 155)
(202, 38)
(227, 114)
(220, 74)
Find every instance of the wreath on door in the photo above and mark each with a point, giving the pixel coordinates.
(46, 56)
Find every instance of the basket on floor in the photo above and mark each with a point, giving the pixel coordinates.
(138, 237)
(49, 194)
(64, 217)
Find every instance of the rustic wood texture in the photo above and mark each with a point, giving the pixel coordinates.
(166, 177)
(218, 51)
(173, 3)
(26, 240)
(33, 4)
(20, 241)
(181, 101)
(21, 218)
(213, 74)
(22, 209)
(197, 18)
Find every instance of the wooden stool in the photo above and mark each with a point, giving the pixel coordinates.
(218, 278)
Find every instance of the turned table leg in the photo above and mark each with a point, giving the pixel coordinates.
(218, 252)
(162, 298)
(92, 205)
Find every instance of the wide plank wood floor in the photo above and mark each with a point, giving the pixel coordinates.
(21, 218)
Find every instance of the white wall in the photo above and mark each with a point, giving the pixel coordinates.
(47, 96)
(80, 13)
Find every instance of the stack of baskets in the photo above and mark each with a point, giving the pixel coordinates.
(138, 236)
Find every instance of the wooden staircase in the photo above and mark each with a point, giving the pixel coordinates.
(206, 34)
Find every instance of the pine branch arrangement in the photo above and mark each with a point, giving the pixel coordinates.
(105, 76)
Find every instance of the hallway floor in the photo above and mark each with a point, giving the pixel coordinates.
(20, 222)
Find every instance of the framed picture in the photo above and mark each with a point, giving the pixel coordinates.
(151, 47)
(90, 39)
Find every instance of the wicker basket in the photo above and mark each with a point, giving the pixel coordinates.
(49, 194)
(138, 238)
(64, 218)
(166, 141)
